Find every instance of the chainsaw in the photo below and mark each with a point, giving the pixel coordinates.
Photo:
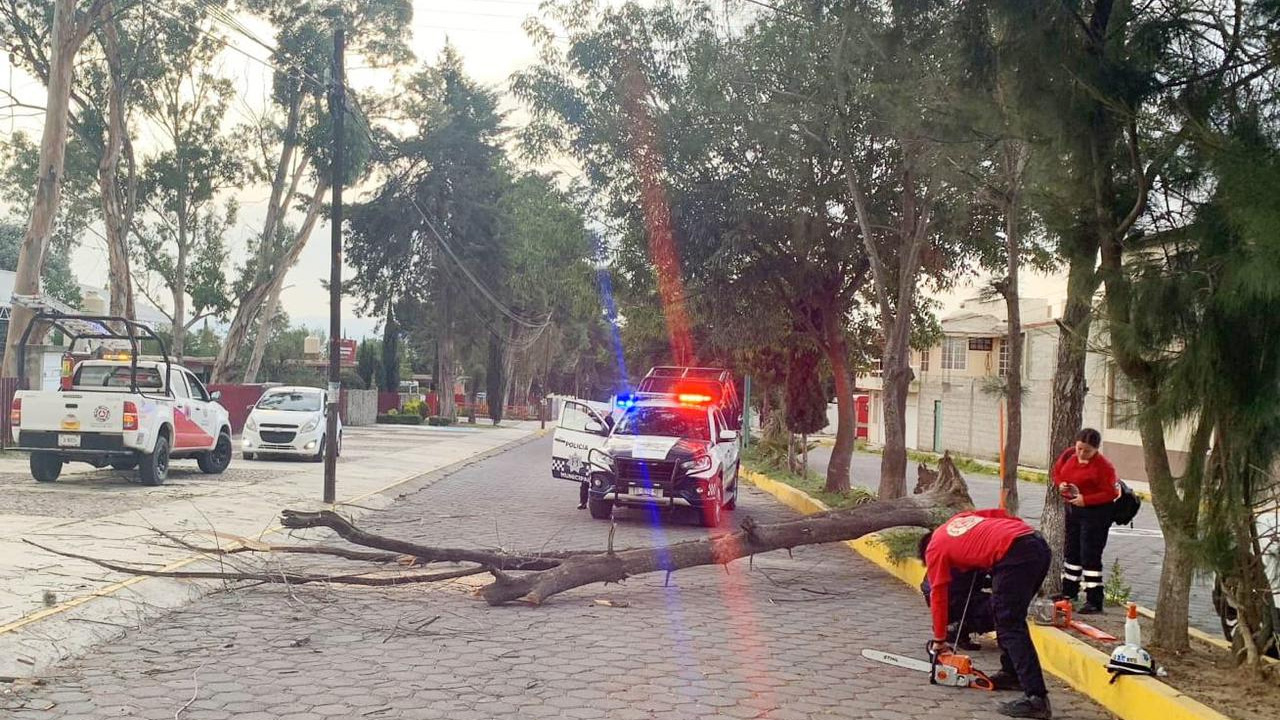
(1062, 618)
(946, 669)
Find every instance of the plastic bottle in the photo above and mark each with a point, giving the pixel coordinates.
(1132, 631)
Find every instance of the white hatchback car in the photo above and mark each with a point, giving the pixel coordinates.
(288, 421)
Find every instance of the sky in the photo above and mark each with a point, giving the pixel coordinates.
(489, 37)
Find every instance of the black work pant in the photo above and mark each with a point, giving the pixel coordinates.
(582, 493)
(1015, 580)
(1087, 531)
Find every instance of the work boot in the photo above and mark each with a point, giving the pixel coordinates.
(1030, 706)
(1003, 680)
(1090, 609)
(967, 643)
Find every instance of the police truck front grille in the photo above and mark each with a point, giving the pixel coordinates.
(642, 472)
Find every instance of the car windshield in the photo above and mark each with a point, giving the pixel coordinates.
(290, 402)
(116, 376)
(667, 422)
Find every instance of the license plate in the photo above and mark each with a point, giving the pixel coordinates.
(646, 491)
(68, 441)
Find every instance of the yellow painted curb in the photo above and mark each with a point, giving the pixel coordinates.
(1076, 663)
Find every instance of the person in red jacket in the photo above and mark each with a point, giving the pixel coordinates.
(1088, 484)
(1018, 559)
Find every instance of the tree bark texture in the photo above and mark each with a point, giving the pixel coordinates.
(1015, 161)
(447, 360)
(896, 296)
(838, 470)
(1069, 390)
(117, 204)
(67, 36)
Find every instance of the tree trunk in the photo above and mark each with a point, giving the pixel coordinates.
(179, 286)
(275, 285)
(447, 362)
(1169, 629)
(1015, 160)
(66, 38)
(838, 470)
(1069, 390)
(893, 465)
(277, 206)
(117, 206)
(391, 351)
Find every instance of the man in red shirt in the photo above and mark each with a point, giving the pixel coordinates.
(1088, 484)
(1018, 559)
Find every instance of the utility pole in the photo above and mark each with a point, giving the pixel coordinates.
(338, 110)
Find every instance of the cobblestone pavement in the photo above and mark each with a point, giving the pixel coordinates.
(1139, 549)
(779, 638)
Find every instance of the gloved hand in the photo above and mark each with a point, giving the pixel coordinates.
(938, 647)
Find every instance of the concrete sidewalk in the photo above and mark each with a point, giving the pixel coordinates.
(51, 607)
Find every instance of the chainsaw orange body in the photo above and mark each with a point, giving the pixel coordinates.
(954, 670)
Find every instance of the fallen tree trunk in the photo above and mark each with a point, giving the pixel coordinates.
(544, 575)
(751, 540)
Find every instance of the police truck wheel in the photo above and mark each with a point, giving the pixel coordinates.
(710, 512)
(45, 467)
(600, 509)
(154, 468)
(733, 501)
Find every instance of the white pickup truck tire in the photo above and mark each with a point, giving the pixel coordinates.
(216, 460)
(154, 468)
(45, 467)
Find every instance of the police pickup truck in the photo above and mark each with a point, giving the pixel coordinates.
(664, 451)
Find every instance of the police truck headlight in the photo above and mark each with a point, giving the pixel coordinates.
(601, 459)
(702, 463)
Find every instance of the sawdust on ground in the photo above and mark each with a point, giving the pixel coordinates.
(1205, 673)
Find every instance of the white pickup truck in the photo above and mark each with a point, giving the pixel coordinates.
(124, 414)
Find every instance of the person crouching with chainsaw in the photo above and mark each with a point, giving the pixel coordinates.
(1018, 559)
(970, 598)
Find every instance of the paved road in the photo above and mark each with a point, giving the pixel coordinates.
(779, 639)
(1140, 549)
(50, 606)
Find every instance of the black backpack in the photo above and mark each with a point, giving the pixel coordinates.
(1125, 508)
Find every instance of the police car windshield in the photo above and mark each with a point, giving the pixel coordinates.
(290, 402)
(666, 422)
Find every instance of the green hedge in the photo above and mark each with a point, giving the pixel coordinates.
(440, 420)
(399, 419)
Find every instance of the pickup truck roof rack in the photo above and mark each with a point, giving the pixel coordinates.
(692, 373)
(77, 327)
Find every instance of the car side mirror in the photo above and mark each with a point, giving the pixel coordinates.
(727, 436)
(596, 428)
(216, 396)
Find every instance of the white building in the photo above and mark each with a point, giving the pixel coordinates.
(953, 405)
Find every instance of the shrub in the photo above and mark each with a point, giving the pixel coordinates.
(412, 407)
(390, 419)
(439, 420)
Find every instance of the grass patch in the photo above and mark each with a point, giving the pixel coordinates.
(813, 484)
(902, 543)
(965, 464)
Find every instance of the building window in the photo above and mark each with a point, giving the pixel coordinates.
(1122, 402)
(1004, 355)
(955, 353)
(924, 360)
(980, 344)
